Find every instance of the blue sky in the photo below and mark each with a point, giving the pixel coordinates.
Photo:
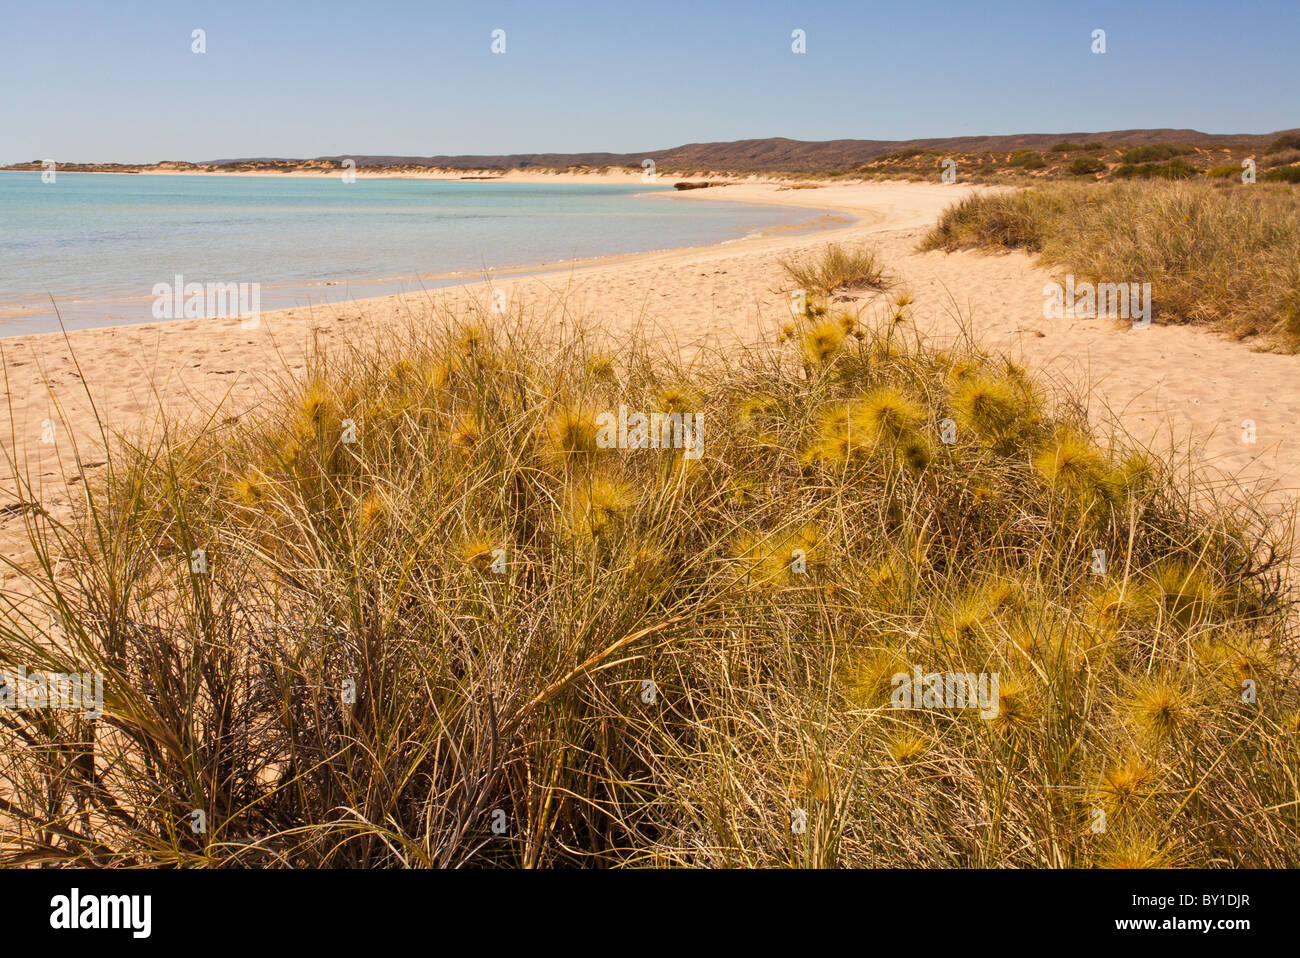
(116, 81)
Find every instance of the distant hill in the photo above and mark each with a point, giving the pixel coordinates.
(772, 155)
(782, 154)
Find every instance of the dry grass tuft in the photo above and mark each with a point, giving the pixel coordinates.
(838, 268)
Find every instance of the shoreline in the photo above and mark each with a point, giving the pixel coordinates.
(613, 177)
(829, 219)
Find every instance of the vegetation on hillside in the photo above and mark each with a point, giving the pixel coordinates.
(1067, 160)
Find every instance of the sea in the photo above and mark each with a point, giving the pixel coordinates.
(90, 249)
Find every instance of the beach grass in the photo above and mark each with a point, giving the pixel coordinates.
(413, 612)
(836, 268)
(1221, 255)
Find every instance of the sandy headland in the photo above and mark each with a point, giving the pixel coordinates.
(1163, 383)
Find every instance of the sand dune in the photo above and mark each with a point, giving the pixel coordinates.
(1161, 382)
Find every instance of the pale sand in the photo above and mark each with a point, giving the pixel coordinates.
(1162, 382)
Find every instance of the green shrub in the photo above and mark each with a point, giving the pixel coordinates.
(1155, 151)
(1026, 157)
(1067, 146)
(1086, 165)
(1173, 170)
(1283, 174)
(1288, 141)
(1225, 171)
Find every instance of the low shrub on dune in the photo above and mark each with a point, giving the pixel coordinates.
(439, 621)
(1086, 166)
(1029, 159)
(1221, 255)
(1287, 141)
(838, 268)
(1273, 159)
(1177, 169)
(1154, 152)
(1283, 174)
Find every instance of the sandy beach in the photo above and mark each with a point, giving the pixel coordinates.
(1163, 383)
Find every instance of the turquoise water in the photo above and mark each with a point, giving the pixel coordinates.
(99, 243)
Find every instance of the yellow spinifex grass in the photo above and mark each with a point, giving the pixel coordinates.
(1219, 253)
(838, 267)
(822, 342)
(641, 659)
